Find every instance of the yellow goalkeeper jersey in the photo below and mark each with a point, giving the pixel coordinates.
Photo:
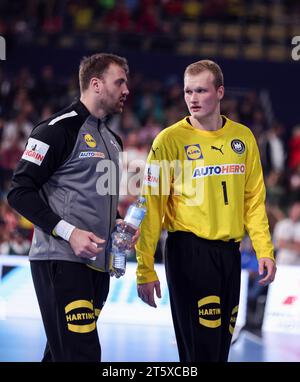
(206, 182)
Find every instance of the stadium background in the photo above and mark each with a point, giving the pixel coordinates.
(252, 42)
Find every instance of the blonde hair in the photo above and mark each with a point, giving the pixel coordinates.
(200, 66)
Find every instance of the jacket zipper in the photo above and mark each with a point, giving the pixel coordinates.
(108, 239)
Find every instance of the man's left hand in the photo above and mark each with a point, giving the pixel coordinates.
(136, 235)
(264, 263)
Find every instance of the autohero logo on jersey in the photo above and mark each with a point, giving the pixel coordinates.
(35, 151)
(91, 154)
(151, 177)
(193, 152)
(223, 169)
(89, 140)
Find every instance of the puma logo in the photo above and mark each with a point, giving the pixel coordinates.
(216, 148)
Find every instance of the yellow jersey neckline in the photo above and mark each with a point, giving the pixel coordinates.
(207, 133)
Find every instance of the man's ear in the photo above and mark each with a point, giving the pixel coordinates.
(96, 85)
(220, 92)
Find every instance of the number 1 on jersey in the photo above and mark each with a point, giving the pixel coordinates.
(225, 192)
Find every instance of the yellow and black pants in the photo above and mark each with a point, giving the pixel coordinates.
(71, 296)
(204, 285)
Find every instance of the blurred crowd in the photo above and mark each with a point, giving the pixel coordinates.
(172, 25)
(154, 16)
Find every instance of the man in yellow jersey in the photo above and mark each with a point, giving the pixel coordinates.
(203, 184)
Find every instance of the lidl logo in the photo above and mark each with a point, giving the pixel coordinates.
(89, 140)
(193, 152)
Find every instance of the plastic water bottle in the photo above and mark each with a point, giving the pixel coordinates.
(122, 236)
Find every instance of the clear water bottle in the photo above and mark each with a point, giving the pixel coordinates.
(122, 236)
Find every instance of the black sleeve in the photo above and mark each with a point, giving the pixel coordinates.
(24, 194)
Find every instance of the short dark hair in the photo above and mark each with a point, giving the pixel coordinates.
(96, 65)
(211, 66)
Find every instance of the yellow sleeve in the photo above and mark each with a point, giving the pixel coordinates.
(255, 216)
(156, 189)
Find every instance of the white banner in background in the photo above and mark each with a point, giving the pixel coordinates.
(17, 297)
(282, 311)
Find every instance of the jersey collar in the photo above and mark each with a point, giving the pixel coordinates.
(207, 133)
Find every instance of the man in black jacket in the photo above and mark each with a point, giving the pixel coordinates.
(58, 185)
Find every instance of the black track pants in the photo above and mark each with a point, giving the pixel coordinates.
(204, 285)
(70, 297)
